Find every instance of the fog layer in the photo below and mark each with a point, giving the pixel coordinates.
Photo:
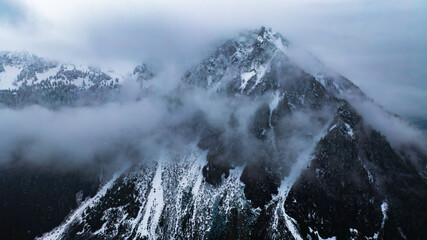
(380, 45)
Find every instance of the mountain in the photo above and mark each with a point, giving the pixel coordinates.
(305, 164)
(26, 79)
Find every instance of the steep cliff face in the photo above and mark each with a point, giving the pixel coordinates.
(303, 165)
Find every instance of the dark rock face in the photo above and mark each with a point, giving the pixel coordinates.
(403, 186)
(219, 163)
(214, 172)
(261, 182)
(349, 185)
(261, 122)
(334, 193)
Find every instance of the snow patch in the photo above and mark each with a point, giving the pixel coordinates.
(370, 176)
(384, 208)
(198, 168)
(273, 105)
(275, 102)
(154, 205)
(8, 78)
(321, 79)
(260, 72)
(349, 130)
(82, 82)
(45, 75)
(337, 87)
(245, 78)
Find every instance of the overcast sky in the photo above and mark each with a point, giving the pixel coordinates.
(380, 45)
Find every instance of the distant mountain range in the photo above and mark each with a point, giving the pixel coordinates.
(26, 79)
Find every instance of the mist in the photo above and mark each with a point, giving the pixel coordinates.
(378, 45)
(164, 113)
(399, 132)
(133, 129)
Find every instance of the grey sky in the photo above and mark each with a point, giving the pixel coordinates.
(379, 45)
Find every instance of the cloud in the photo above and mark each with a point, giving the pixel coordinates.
(10, 13)
(378, 45)
(399, 132)
(75, 135)
(126, 130)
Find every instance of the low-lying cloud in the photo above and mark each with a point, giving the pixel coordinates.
(76, 134)
(399, 132)
(125, 130)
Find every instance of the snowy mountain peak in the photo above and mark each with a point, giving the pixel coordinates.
(262, 60)
(244, 65)
(272, 37)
